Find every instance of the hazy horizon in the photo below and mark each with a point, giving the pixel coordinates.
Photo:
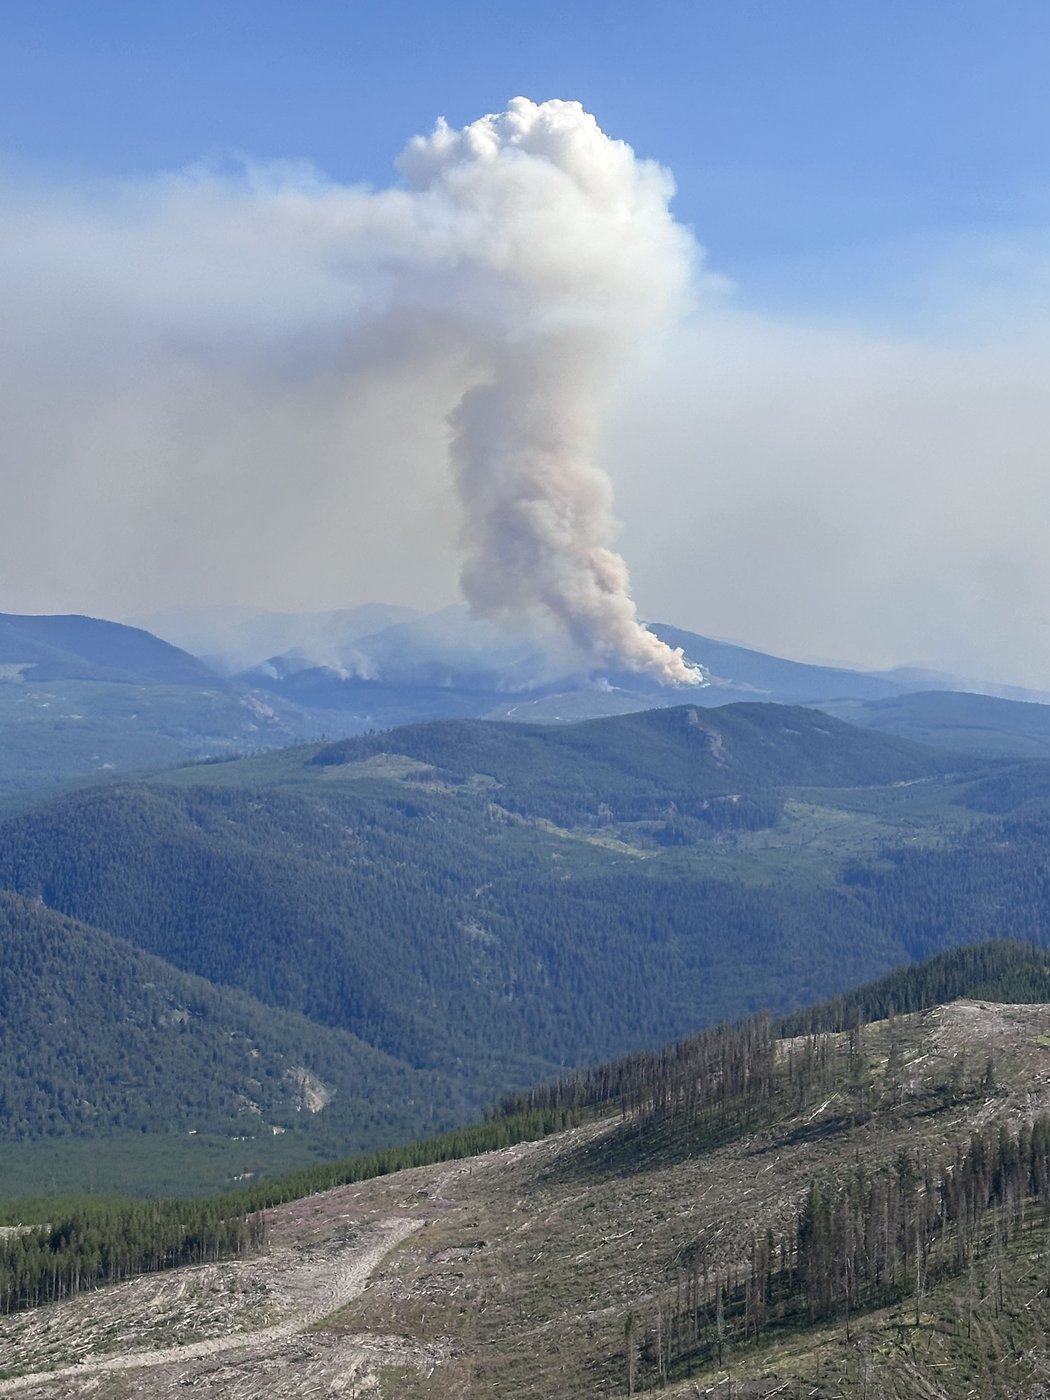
(834, 451)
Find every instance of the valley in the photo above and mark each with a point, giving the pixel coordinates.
(417, 922)
(223, 982)
(412, 923)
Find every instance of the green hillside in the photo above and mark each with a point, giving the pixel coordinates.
(98, 1039)
(719, 767)
(484, 904)
(81, 699)
(977, 724)
(59, 734)
(473, 897)
(437, 931)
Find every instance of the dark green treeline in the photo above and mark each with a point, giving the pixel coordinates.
(96, 1244)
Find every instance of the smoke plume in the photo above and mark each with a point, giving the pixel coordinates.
(556, 248)
(259, 370)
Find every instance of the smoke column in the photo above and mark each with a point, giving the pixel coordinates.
(554, 247)
(212, 325)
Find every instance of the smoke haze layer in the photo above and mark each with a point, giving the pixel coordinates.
(486, 305)
(232, 384)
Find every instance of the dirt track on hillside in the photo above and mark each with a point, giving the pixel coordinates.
(314, 1286)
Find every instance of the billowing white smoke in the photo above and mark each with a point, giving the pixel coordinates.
(554, 248)
(204, 331)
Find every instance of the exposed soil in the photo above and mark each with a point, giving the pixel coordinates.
(511, 1274)
(220, 1326)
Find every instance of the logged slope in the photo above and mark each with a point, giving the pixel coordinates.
(591, 1264)
(859, 1214)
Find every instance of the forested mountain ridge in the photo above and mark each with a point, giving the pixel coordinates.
(486, 903)
(1003, 969)
(429, 917)
(97, 1036)
(81, 697)
(976, 724)
(52, 648)
(642, 761)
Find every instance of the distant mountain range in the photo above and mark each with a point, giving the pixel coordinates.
(232, 640)
(35, 649)
(83, 698)
(346, 658)
(393, 646)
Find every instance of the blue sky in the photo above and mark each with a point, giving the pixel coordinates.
(842, 456)
(817, 145)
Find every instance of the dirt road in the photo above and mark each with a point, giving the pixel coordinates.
(331, 1280)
